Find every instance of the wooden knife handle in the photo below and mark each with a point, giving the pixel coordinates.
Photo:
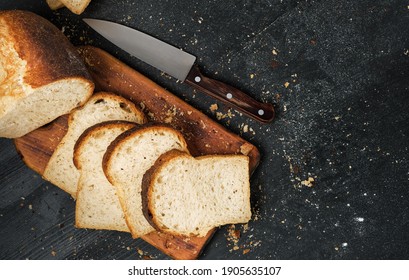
(263, 112)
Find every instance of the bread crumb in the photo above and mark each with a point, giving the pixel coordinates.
(170, 113)
(274, 52)
(246, 251)
(245, 128)
(213, 107)
(252, 76)
(220, 115)
(286, 84)
(337, 118)
(53, 253)
(309, 182)
(233, 236)
(246, 148)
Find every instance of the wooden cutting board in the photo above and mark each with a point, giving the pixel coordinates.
(203, 135)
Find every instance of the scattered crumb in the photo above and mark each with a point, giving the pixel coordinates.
(221, 116)
(274, 52)
(252, 76)
(213, 107)
(144, 255)
(170, 113)
(245, 251)
(53, 253)
(406, 52)
(286, 84)
(337, 118)
(233, 236)
(245, 128)
(246, 148)
(309, 182)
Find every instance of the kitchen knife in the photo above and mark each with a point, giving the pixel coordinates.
(180, 65)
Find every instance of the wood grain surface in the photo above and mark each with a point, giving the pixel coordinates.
(203, 135)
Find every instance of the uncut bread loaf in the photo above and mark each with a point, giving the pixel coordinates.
(189, 196)
(102, 106)
(127, 159)
(97, 205)
(41, 74)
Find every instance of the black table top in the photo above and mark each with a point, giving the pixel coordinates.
(333, 181)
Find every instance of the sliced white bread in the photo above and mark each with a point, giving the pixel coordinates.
(97, 205)
(76, 6)
(41, 74)
(126, 161)
(102, 106)
(189, 196)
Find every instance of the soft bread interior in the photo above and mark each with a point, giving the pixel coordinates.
(100, 107)
(129, 157)
(191, 196)
(97, 205)
(32, 112)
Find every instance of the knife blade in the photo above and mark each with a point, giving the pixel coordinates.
(181, 65)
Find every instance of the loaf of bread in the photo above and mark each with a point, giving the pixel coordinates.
(128, 158)
(102, 106)
(41, 74)
(97, 204)
(189, 196)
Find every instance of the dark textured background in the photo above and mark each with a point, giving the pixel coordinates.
(337, 72)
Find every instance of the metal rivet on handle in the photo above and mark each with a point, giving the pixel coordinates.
(197, 79)
(261, 112)
(229, 95)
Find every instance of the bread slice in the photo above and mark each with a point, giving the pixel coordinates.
(55, 4)
(41, 74)
(126, 161)
(102, 106)
(189, 196)
(97, 205)
(76, 6)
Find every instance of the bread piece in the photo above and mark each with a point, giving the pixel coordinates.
(189, 196)
(41, 74)
(126, 161)
(97, 205)
(55, 4)
(101, 107)
(76, 6)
